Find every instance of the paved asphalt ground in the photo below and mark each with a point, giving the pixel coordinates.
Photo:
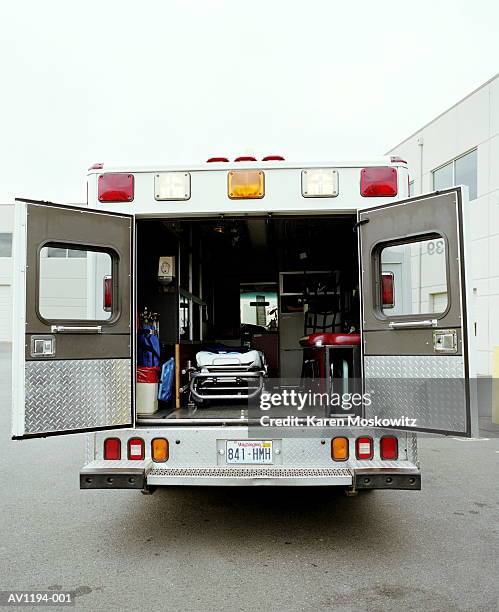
(250, 549)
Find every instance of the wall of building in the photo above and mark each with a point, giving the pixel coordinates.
(71, 284)
(6, 226)
(473, 123)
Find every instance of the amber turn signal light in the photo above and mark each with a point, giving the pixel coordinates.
(339, 449)
(159, 450)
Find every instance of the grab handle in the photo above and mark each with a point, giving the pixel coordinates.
(76, 329)
(409, 324)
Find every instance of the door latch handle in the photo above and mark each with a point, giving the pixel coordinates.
(42, 346)
(76, 329)
(409, 324)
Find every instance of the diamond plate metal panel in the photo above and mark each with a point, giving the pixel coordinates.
(430, 389)
(77, 394)
(89, 448)
(412, 449)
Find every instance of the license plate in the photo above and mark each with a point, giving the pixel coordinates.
(249, 451)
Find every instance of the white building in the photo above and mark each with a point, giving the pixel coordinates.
(461, 146)
(6, 225)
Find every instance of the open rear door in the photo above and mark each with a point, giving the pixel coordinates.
(415, 319)
(72, 342)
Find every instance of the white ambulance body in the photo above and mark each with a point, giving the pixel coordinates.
(228, 229)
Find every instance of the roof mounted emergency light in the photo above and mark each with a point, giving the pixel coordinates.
(217, 160)
(319, 183)
(397, 160)
(172, 186)
(97, 166)
(273, 158)
(243, 158)
(116, 187)
(378, 181)
(246, 184)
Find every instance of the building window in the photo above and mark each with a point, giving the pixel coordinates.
(5, 245)
(64, 253)
(414, 277)
(75, 290)
(465, 172)
(460, 171)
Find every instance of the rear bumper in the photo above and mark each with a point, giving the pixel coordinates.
(353, 479)
(112, 478)
(390, 478)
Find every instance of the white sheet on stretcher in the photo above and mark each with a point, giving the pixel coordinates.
(251, 359)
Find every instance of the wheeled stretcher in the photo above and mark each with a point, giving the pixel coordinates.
(228, 374)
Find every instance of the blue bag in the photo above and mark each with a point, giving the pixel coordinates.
(165, 391)
(148, 348)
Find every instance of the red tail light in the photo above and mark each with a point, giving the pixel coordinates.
(389, 447)
(135, 449)
(378, 182)
(116, 187)
(217, 160)
(364, 448)
(244, 158)
(108, 293)
(112, 449)
(273, 158)
(387, 290)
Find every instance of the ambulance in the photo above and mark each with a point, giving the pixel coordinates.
(155, 317)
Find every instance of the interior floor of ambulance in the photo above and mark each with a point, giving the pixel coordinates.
(245, 302)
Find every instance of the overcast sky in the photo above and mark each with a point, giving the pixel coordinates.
(172, 82)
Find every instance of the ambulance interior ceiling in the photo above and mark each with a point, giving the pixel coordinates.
(216, 258)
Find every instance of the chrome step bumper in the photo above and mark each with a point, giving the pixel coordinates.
(148, 476)
(247, 476)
